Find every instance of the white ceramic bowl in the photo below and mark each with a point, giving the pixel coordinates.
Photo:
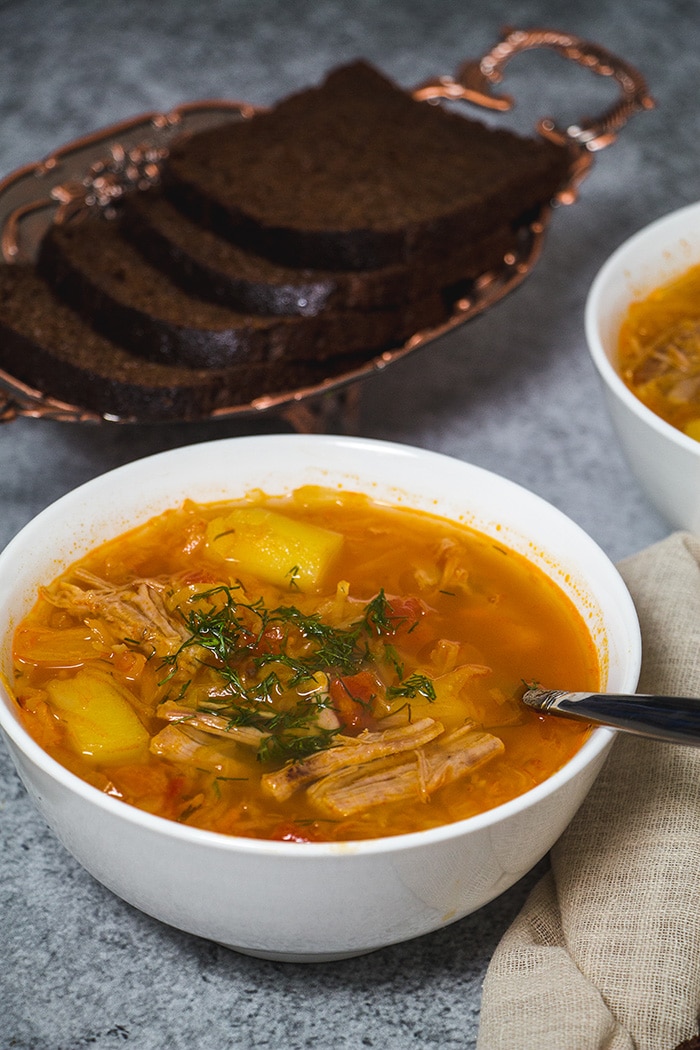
(665, 461)
(319, 901)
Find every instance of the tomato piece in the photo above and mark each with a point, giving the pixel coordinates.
(128, 663)
(200, 576)
(405, 613)
(175, 788)
(272, 640)
(352, 699)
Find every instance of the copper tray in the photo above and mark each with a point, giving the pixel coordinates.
(98, 169)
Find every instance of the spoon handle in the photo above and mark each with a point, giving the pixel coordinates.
(675, 719)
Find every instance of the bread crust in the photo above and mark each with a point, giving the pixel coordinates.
(279, 252)
(356, 175)
(95, 269)
(48, 346)
(211, 267)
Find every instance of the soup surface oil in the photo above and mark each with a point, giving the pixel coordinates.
(315, 667)
(659, 352)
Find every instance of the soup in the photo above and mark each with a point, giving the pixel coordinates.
(313, 667)
(659, 351)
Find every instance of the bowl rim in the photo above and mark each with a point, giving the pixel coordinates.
(613, 264)
(597, 742)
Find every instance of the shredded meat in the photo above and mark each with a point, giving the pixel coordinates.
(673, 360)
(137, 609)
(217, 725)
(442, 761)
(180, 744)
(349, 752)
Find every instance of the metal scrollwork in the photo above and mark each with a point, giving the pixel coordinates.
(475, 80)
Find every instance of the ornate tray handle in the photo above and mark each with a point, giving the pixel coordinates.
(475, 80)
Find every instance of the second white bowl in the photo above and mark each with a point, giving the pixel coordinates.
(665, 461)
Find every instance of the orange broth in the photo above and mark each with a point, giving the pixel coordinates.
(659, 351)
(442, 626)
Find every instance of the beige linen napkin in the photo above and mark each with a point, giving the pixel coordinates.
(605, 954)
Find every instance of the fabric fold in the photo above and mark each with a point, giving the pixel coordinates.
(605, 954)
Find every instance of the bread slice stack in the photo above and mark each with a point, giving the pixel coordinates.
(276, 251)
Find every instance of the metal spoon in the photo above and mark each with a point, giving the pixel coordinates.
(675, 719)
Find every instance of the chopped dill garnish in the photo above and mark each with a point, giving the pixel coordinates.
(335, 647)
(226, 532)
(414, 685)
(188, 811)
(393, 658)
(273, 666)
(294, 574)
(378, 615)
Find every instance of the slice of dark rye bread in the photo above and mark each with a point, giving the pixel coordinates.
(213, 268)
(46, 345)
(96, 270)
(356, 174)
(377, 198)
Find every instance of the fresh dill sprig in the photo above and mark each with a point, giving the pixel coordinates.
(379, 617)
(393, 658)
(415, 685)
(264, 655)
(335, 648)
(294, 574)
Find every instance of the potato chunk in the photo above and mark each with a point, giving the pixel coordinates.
(277, 549)
(100, 723)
